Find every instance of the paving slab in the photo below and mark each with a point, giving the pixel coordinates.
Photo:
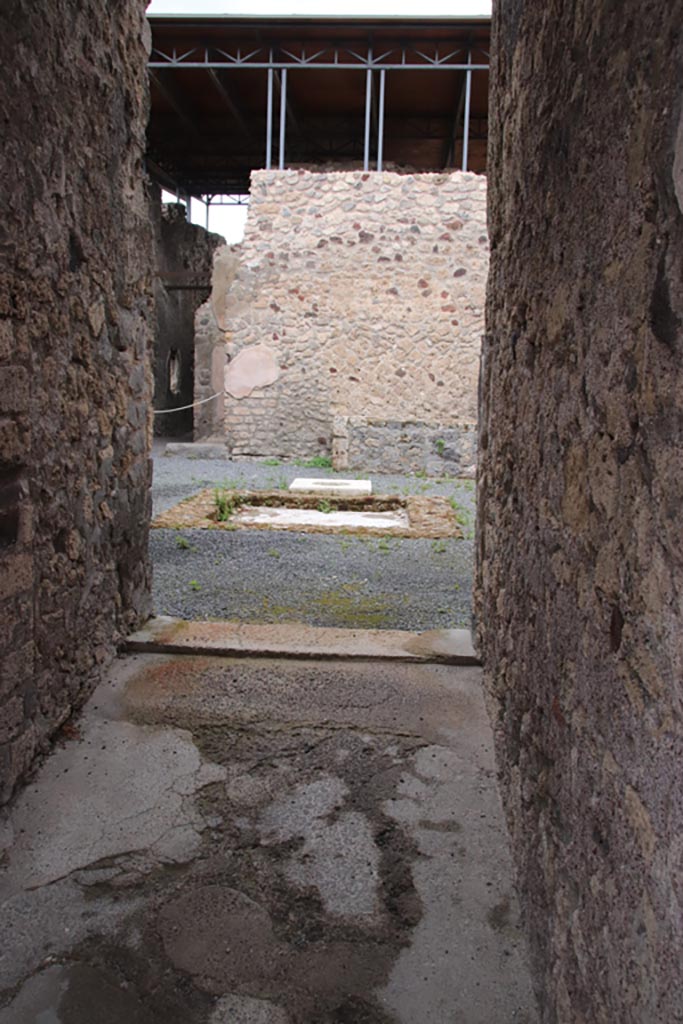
(298, 518)
(264, 841)
(164, 634)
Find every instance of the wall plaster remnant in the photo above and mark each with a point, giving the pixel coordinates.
(253, 367)
(580, 571)
(368, 294)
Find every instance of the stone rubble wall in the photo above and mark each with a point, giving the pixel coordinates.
(75, 382)
(580, 542)
(356, 299)
(184, 257)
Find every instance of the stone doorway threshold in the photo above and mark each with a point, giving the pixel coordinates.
(387, 515)
(166, 635)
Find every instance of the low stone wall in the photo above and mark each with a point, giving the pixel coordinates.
(75, 382)
(355, 297)
(398, 446)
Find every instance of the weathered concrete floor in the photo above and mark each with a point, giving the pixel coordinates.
(262, 842)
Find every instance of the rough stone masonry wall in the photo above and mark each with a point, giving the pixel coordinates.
(580, 575)
(353, 315)
(75, 288)
(184, 259)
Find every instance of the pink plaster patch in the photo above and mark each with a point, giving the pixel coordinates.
(253, 367)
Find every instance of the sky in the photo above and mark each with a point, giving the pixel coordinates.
(229, 221)
(388, 8)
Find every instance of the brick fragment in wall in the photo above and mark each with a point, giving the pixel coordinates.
(348, 278)
(579, 592)
(74, 361)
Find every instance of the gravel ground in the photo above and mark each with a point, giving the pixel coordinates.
(268, 576)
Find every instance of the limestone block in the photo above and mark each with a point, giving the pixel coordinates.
(340, 488)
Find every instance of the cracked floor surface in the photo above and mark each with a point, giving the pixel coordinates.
(264, 842)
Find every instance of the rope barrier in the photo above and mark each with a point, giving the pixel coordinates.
(182, 408)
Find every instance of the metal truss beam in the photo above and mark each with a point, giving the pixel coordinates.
(336, 58)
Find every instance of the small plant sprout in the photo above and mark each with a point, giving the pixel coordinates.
(273, 553)
(271, 462)
(182, 543)
(438, 547)
(326, 506)
(440, 445)
(194, 585)
(226, 504)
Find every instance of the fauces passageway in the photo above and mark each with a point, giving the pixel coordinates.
(203, 837)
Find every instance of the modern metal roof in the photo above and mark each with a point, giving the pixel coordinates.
(354, 89)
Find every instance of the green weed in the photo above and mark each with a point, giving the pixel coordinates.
(194, 585)
(226, 504)
(438, 547)
(271, 462)
(440, 446)
(183, 544)
(317, 462)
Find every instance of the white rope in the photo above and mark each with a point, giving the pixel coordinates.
(181, 408)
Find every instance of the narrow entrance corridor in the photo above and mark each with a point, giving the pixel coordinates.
(265, 841)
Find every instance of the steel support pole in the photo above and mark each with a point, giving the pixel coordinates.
(208, 205)
(269, 121)
(380, 119)
(466, 127)
(368, 111)
(283, 117)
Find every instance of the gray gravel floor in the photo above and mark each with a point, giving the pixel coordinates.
(268, 576)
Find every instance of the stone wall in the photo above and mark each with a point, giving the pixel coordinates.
(580, 546)
(75, 303)
(353, 313)
(184, 254)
